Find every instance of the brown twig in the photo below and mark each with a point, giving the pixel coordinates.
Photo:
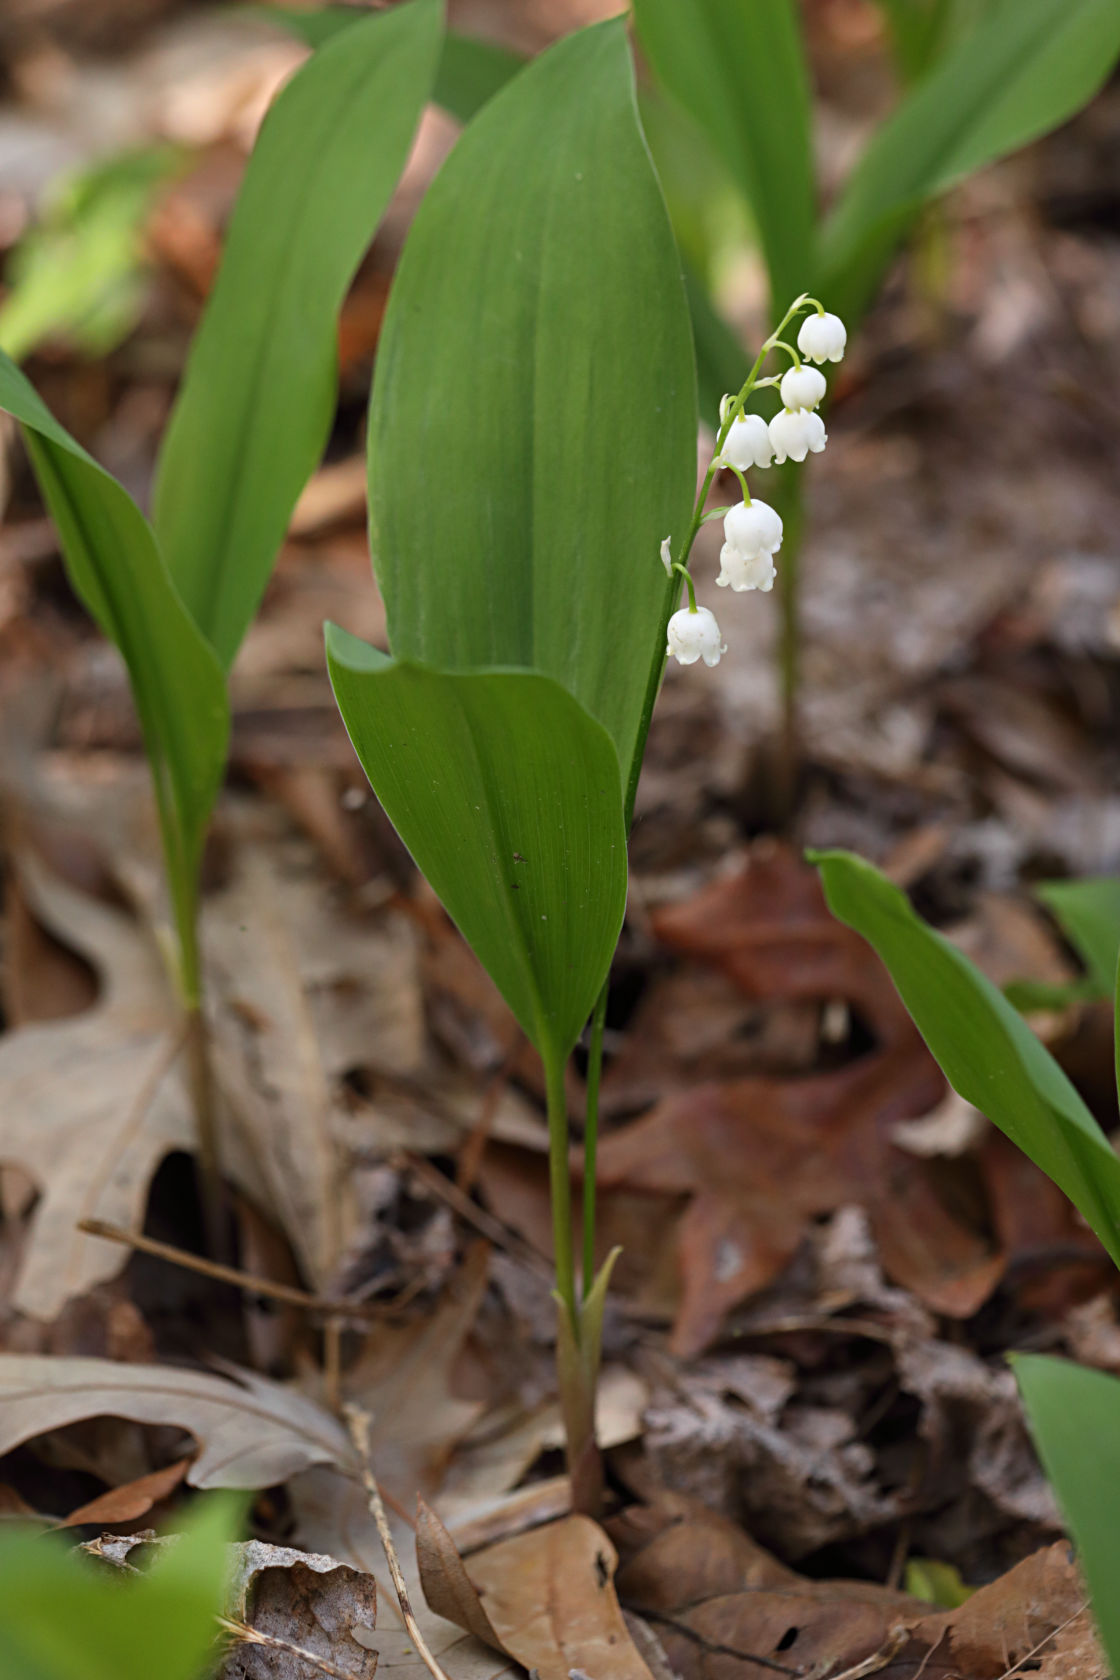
(1045, 1640)
(253, 1636)
(886, 1653)
(358, 1422)
(485, 1223)
(248, 1281)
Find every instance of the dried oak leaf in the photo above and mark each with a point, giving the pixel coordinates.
(763, 1157)
(251, 1432)
(94, 1102)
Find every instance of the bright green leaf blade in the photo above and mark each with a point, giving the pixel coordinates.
(1088, 913)
(507, 795)
(258, 395)
(739, 67)
(116, 568)
(1074, 1415)
(471, 70)
(533, 420)
(470, 73)
(65, 1617)
(984, 1048)
(1028, 67)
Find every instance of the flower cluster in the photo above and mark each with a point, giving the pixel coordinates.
(752, 530)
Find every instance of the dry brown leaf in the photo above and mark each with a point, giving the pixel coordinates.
(763, 1157)
(251, 1432)
(447, 1587)
(549, 1595)
(721, 1605)
(131, 1500)
(93, 1103)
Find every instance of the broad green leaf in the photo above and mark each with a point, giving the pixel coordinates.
(258, 395)
(985, 1049)
(507, 795)
(1088, 913)
(1029, 66)
(116, 568)
(65, 1617)
(471, 70)
(470, 73)
(533, 418)
(77, 272)
(1074, 1415)
(738, 66)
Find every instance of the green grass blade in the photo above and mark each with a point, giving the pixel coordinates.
(985, 1049)
(508, 797)
(1026, 68)
(738, 66)
(116, 568)
(533, 418)
(1074, 1415)
(258, 395)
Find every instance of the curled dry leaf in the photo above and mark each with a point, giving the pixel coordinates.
(251, 1432)
(131, 1500)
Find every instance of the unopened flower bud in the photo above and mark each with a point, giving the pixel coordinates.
(693, 636)
(747, 444)
(803, 387)
(745, 571)
(753, 528)
(822, 338)
(796, 433)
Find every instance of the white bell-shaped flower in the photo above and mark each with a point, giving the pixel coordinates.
(745, 571)
(747, 444)
(695, 635)
(803, 387)
(753, 528)
(823, 338)
(796, 433)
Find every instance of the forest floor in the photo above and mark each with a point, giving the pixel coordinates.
(814, 1443)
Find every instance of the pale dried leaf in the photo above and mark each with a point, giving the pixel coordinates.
(308, 1598)
(251, 1432)
(550, 1597)
(93, 1103)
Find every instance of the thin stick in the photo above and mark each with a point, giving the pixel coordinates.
(253, 1636)
(886, 1653)
(485, 1223)
(1045, 1640)
(359, 1434)
(248, 1281)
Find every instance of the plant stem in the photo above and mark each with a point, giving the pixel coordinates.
(182, 879)
(591, 1135)
(200, 1079)
(789, 650)
(560, 1190)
